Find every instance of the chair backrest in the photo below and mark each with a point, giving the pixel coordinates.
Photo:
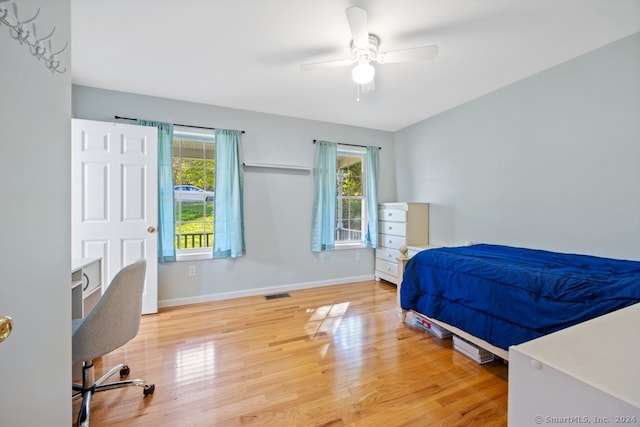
(116, 317)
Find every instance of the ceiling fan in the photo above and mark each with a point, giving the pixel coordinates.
(364, 52)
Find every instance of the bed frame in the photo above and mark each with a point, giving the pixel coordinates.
(403, 259)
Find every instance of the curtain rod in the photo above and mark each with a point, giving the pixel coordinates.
(175, 124)
(351, 145)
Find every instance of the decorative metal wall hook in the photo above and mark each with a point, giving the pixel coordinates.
(36, 48)
(45, 37)
(17, 31)
(28, 21)
(66, 44)
(52, 62)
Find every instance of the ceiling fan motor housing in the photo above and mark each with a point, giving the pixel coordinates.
(368, 54)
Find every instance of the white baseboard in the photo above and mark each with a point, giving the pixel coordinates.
(174, 302)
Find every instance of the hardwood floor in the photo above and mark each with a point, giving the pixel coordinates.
(330, 356)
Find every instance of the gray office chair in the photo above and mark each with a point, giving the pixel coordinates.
(113, 322)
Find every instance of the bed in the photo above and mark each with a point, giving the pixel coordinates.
(497, 296)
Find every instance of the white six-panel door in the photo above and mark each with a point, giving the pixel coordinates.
(114, 198)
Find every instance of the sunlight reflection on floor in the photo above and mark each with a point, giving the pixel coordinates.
(195, 362)
(325, 320)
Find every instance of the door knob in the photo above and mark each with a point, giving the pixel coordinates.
(151, 229)
(6, 325)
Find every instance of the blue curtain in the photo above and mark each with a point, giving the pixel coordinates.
(228, 230)
(166, 219)
(323, 230)
(371, 164)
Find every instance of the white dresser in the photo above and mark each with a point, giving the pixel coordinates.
(399, 224)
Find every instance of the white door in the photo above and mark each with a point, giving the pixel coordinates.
(114, 198)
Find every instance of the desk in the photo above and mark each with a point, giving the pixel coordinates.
(585, 373)
(86, 285)
(86, 290)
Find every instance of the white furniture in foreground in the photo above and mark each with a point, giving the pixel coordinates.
(86, 285)
(86, 290)
(399, 224)
(586, 374)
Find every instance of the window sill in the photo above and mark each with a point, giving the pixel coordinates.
(345, 246)
(194, 256)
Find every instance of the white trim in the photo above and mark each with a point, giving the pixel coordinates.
(349, 149)
(261, 291)
(349, 245)
(193, 256)
(197, 134)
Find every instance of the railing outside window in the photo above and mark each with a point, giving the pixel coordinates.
(344, 234)
(194, 240)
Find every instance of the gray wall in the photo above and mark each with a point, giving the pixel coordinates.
(552, 161)
(548, 162)
(278, 203)
(35, 266)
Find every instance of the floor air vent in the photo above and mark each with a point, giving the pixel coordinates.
(277, 296)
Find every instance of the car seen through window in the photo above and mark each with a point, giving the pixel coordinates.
(191, 193)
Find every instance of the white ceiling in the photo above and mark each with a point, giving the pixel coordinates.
(246, 54)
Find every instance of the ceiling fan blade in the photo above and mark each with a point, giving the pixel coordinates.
(326, 64)
(357, 18)
(424, 53)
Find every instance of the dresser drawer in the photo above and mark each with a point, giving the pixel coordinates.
(395, 215)
(388, 254)
(391, 241)
(395, 228)
(387, 267)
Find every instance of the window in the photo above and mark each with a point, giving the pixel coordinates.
(351, 207)
(194, 183)
(345, 202)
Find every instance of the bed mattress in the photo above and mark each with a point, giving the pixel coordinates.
(507, 295)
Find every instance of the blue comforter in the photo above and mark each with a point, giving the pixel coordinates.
(507, 295)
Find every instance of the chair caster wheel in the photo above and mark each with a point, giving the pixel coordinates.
(149, 390)
(125, 371)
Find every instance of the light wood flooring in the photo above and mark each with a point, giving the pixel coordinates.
(331, 356)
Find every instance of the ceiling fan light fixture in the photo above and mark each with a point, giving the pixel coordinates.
(363, 73)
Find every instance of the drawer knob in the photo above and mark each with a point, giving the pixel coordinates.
(86, 277)
(6, 325)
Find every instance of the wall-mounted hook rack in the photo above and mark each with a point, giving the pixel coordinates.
(24, 36)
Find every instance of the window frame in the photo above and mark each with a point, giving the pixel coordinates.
(197, 135)
(343, 151)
